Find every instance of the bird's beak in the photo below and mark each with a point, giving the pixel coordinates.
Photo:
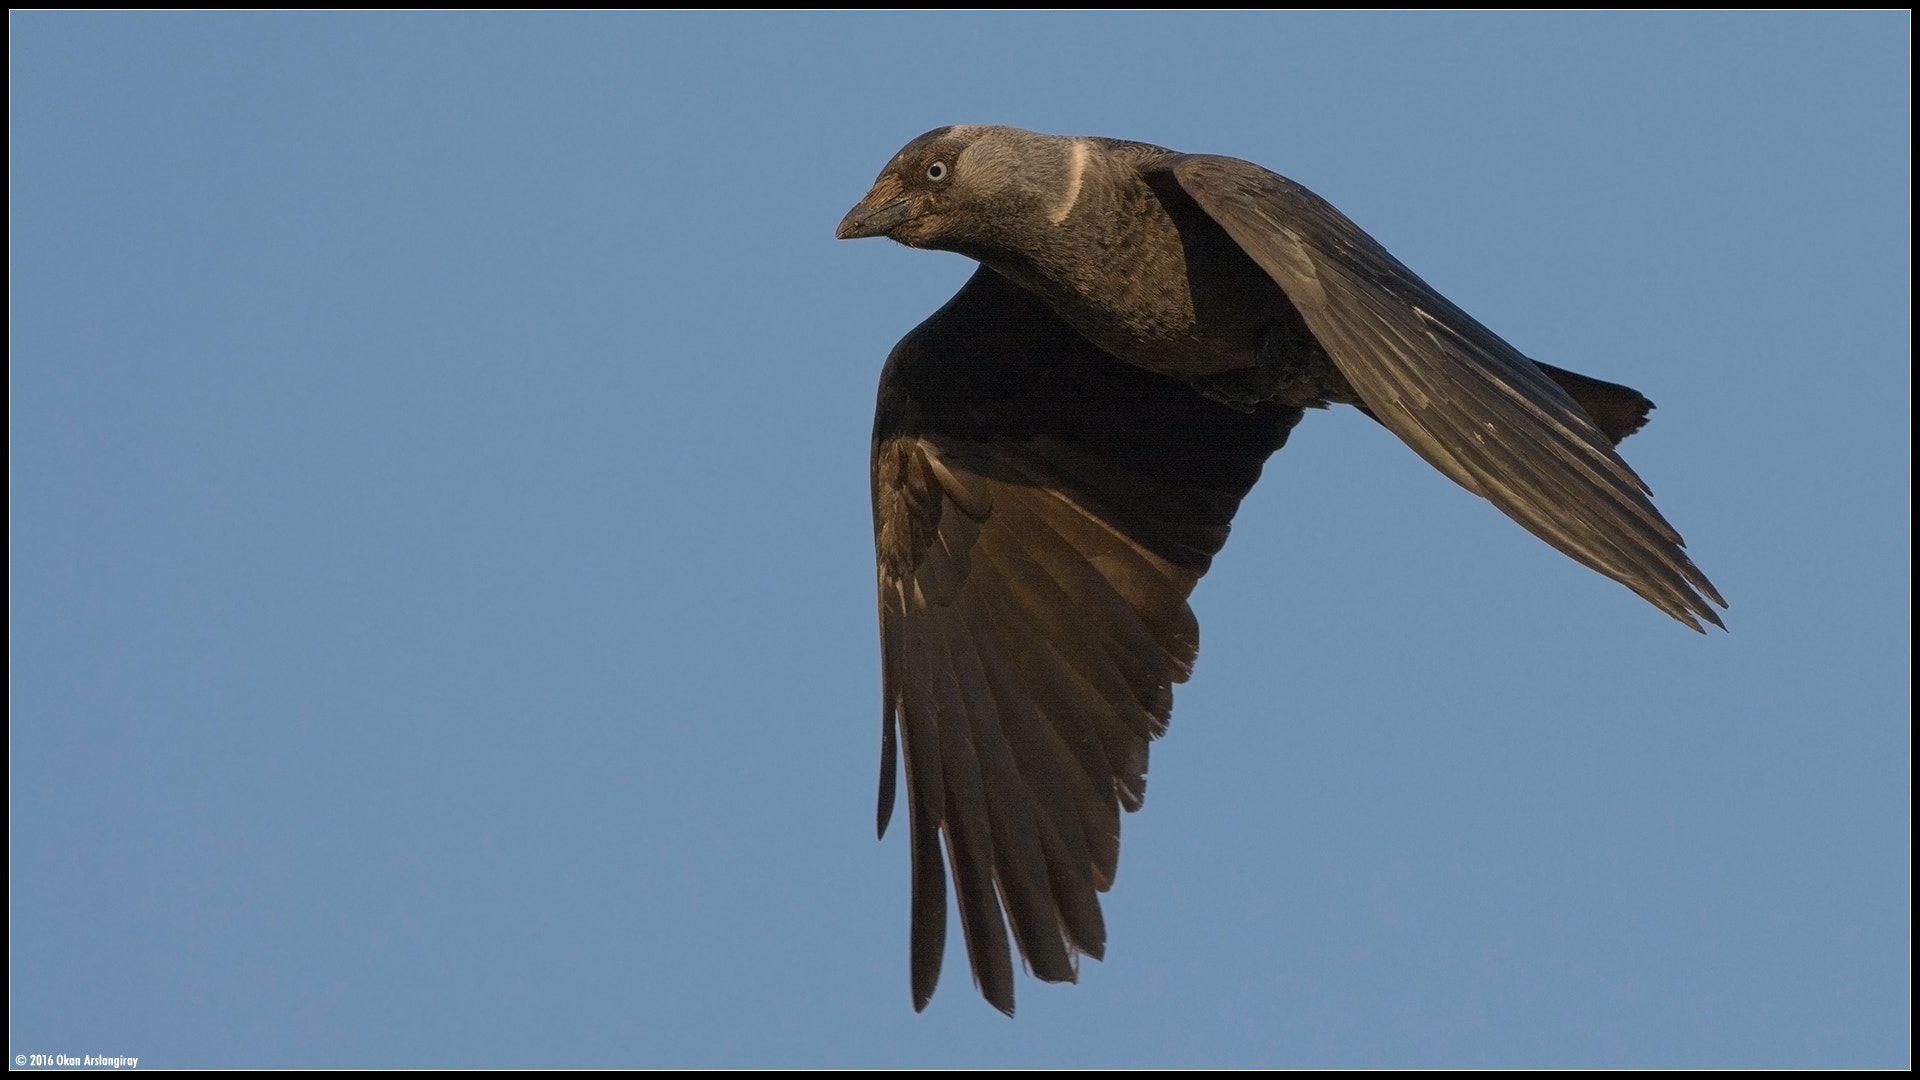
(874, 216)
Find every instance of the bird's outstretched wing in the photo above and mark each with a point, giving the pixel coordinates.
(1471, 404)
(1041, 511)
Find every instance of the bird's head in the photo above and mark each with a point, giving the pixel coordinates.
(971, 188)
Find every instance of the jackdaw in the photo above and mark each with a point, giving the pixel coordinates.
(1057, 454)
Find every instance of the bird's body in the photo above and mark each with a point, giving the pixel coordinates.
(1058, 453)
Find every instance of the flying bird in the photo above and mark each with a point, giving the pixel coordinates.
(1059, 450)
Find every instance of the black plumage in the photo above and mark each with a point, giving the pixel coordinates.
(1058, 453)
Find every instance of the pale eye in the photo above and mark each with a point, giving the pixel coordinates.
(937, 171)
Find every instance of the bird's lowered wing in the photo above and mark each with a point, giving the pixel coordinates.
(1471, 404)
(1041, 512)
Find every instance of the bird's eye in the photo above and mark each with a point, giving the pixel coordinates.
(937, 171)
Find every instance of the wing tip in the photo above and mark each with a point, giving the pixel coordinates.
(1691, 606)
(1710, 615)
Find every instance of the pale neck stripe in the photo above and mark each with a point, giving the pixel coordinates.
(1076, 174)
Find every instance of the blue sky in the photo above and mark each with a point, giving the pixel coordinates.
(442, 622)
